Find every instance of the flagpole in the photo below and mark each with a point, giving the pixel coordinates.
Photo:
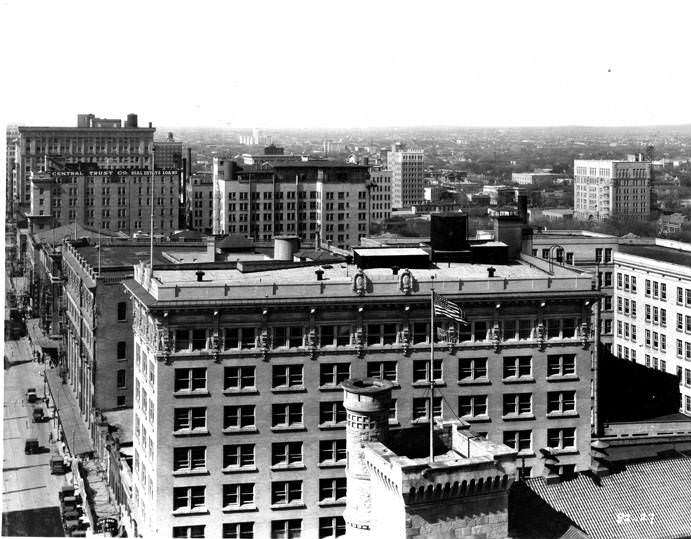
(431, 381)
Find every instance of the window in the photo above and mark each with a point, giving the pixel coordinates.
(238, 378)
(680, 295)
(238, 456)
(472, 368)
(525, 329)
(190, 379)
(333, 374)
(189, 459)
(680, 322)
(122, 350)
(238, 530)
(182, 339)
(121, 379)
(286, 529)
(122, 311)
(519, 440)
(238, 495)
(330, 527)
(198, 339)
(240, 338)
(663, 291)
(121, 401)
(518, 404)
(663, 317)
(472, 405)
(419, 332)
(286, 453)
(286, 415)
(290, 337)
(385, 370)
(598, 255)
(188, 498)
(285, 492)
(188, 531)
(479, 331)
(332, 413)
(332, 451)
(332, 490)
(421, 408)
(238, 416)
(421, 370)
(189, 419)
(520, 366)
(656, 289)
(561, 438)
(553, 328)
(286, 376)
(647, 287)
(633, 284)
(384, 334)
(561, 402)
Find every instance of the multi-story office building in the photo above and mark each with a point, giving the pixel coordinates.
(653, 309)
(168, 153)
(380, 194)
(239, 426)
(103, 143)
(534, 178)
(325, 199)
(11, 137)
(611, 189)
(199, 202)
(110, 200)
(407, 177)
(98, 318)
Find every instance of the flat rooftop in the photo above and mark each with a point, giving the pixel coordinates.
(659, 253)
(127, 255)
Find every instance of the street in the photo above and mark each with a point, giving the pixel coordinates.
(30, 492)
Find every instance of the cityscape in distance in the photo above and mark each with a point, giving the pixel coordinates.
(332, 288)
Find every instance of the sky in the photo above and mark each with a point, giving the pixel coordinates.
(374, 63)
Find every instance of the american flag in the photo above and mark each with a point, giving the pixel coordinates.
(444, 307)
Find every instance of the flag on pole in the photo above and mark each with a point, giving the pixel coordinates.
(444, 307)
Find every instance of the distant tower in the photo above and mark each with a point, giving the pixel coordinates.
(367, 404)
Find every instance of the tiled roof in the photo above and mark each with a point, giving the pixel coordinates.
(647, 500)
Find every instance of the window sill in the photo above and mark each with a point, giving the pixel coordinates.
(332, 503)
(439, 383)
(332, 464)
(518, 417)
(237, 392)
(188, 512)
(519, 380)
(242, 430)
(566, 451)
(187, 473)
(526, 453)
(294, 389)
(244, 469)
(194, 393)
(332, 426)
(562, 415)
(286, 506)
(287, 467)
(476, 419)
(331, 388)
(289, 428)
(476, 382)
(563, 378)
(242, 509)
(197, 432)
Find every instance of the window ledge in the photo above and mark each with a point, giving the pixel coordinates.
(332, 465)
(194, 393)
(236, 392)
(559, 415)
(332, 503)
(241, 509)
(187, 432)
(477, 382)
(294, 389)
(294, 505)
(566, 451)
(519, 380)
(186, 512)
(241, 430)
(186, 473)
(244, 469)
(287, 467)
(477, 419)
(563, 378)
(331, 388)
(332, 426)
(289, 428)
(518, 417)
(526, 453)
(426, 384)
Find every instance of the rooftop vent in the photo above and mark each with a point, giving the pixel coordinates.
(320, 274)
(490, 271)
(395, 269)
(200, 276)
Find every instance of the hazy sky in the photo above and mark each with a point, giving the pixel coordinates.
(296, 63)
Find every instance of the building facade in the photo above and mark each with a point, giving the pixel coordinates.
(380, 194)
(407, 177)
(534, 178)
(652, 316)
(104, 144)
(199, 202)
(238, 416)
(110, 200)
(309, 199)
(611, 189)
(168, 153)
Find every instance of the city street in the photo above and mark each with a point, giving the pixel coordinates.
(30, 492)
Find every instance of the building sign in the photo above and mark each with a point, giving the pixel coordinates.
(116, 172)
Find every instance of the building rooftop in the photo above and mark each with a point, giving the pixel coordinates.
(659, 253)
(645, 500)
(117, 256)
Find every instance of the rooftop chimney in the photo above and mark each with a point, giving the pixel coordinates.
(320, 274)
(395, 269)
(200, 276)
(490, 271)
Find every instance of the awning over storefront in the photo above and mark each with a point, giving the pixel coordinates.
(76, 434)
(38, 338)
